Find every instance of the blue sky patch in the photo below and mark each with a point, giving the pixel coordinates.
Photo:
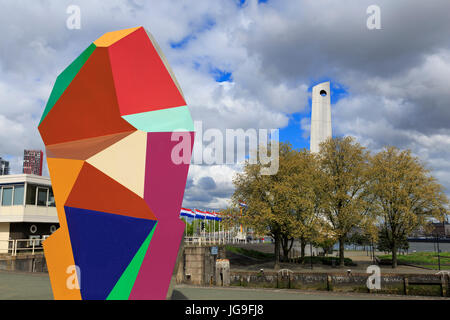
(293, 133)
(242, 3)
(182, 43)
(207, 24)
(221, 75)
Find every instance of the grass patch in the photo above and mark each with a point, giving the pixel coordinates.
(270, 256)
(425, 259)
(436, 267)
(329, 261)
(250, 253)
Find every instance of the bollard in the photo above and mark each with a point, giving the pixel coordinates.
(444, 285)
(448, 285)
(329, 286)
(405, 285)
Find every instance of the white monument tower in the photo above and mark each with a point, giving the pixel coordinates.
(320, 115)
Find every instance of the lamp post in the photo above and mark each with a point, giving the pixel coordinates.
(372, 252)
(437, 247)
(437, 243)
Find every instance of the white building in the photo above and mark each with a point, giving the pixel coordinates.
(27, 208)
(320, 115)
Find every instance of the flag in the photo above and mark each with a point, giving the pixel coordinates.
(211, 216)
(217, 216)
(199, 214)
(187, 213)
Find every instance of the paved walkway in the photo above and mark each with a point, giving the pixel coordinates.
(25, 286)
(36, 286)
(184, 292)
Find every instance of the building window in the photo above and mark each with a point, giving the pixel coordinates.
(42, 197)
(51, 198)
(18, 195)
(31, 194)
(7, 196)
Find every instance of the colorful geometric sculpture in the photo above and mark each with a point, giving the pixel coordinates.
(111, 125)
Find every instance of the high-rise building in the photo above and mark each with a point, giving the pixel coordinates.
(320, 115)
(4, 167)
(32, 162)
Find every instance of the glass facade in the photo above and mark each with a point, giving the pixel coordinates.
(51, 198)
(7, 193)
(31, 194)
(42, 196)
(34, 195)
(18, 195)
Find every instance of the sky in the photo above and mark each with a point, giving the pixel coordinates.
(252, 64)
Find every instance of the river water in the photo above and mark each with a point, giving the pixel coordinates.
(413, 246)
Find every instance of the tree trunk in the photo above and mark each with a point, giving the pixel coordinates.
(286, 247)
(394, 256)
(292, 243)
(277, 252)
(341, 251)
(302, 251)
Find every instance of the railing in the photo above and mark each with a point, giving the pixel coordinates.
(208, 240)
(215, 238)
(18, 246)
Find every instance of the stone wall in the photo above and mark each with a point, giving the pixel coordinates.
(198, 265)
(25, 263)
(390, 283)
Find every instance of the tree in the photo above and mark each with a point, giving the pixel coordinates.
(230, 217)
(325, 243)
(344, 202)
(271, 200)
(384, 243)
(189, 230)
(306, 182)
(358, 237)
(405, 196)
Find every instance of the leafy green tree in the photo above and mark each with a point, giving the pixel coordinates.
(189, 227)
(358, 237)
(405, 196)
(230, 218)
(307, 186)
(271, 199)
(385, 244)
(326, 243)
(344, 202)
